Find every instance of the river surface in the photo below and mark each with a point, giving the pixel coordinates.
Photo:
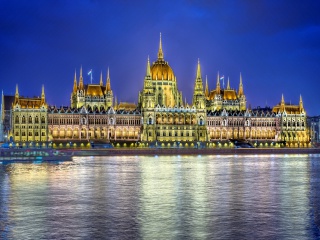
(163, 197)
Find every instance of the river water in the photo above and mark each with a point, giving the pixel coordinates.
(163, 197)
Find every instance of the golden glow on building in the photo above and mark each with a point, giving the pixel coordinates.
(160, 118)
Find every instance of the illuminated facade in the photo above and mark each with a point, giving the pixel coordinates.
(29, 119)
(94, 96)
(160, 118)
(293, 123)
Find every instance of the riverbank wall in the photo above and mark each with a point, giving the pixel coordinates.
(186, 151)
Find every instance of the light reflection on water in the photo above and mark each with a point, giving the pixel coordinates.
(167, 197)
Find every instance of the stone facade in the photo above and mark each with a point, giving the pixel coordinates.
(160, 117)
(29, 120)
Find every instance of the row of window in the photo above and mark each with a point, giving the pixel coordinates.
(242, 123)
(30, 127)
(30, 134)
(293, 124)
(175, 134)
(75, 121)
(31, 120)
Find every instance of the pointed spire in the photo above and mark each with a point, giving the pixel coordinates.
(160, 52)
(108, 81)
(301, 103)
(282, 104)
(228, 84)
(198, 70)
(17, 91)
(75, 81)
(218, 84)
(207, 88)
(101, 82)
(115, 103)
(148, 73)
(43, 96)
(81, 80)
(282, 100)
(240, 93)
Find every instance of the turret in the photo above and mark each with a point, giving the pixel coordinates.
(198, 94)
(101, 82)
(218, 89)
(81, 87)
(282, 104)
(206, 92)
(108, 86)
(301, 104)
(75, 82)
(17, 93)
(148, 72)
(109, 94)
(228, 84)
(43, 97)
(240, 93)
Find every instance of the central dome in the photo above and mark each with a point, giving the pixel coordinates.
(161, 70)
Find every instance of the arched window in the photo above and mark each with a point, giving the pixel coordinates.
(36, 119)
(160, 99)
(150, 120)
(23, 119)
(30, 119)
(17, 119)
(43, 120)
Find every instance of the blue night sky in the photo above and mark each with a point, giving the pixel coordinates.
(274, 44)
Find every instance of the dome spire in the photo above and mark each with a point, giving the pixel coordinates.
(160, 52)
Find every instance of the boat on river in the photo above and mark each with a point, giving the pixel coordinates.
(34, 155)
(241, 143)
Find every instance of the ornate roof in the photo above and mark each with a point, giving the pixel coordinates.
(95, 90)
(161, 70)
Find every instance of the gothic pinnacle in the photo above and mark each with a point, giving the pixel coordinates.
(160, 53)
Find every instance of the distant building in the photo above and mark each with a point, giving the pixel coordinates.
(314, 125)
(6, 116)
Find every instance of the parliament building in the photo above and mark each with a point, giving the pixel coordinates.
(160, 119)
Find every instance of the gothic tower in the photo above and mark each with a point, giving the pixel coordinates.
(199, 99)
(241, 96)
(108, 92)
